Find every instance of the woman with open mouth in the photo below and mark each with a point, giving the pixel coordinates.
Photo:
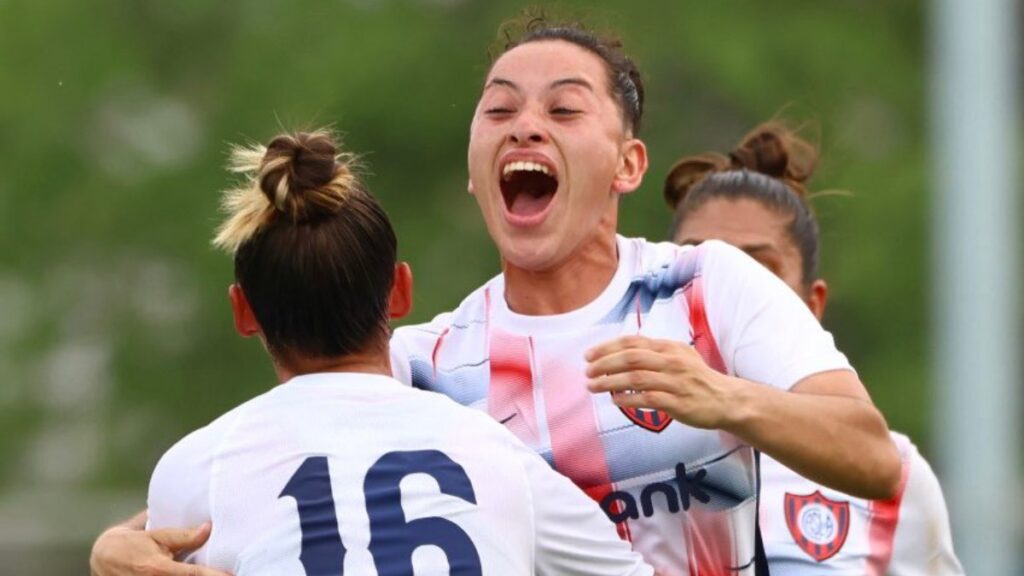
(647, 373)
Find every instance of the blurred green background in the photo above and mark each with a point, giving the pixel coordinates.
(116, 115)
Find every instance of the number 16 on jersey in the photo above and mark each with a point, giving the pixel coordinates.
(393, 539)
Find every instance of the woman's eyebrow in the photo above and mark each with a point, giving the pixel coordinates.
(572, 81)
(502, 82)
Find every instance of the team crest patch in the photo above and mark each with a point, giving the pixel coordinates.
(653, 420)
(818, 525)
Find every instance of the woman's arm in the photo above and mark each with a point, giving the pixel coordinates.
(824, 428)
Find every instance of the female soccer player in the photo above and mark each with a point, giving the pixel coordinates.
(705, 354)
(340, 468)
(755, 199)
(646, 373)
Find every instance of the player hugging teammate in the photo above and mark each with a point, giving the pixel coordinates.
(646, 373)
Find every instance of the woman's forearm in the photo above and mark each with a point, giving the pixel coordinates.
(839, 441)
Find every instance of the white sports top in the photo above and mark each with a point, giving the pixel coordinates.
(359, 474)
(685, 497)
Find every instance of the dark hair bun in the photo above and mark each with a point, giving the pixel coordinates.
(302, 176)
(776, 150)
(690, 170)
(772, 149)
(304, 161)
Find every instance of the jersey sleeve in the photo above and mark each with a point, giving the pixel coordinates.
(179, 489)
(401, 368)
(923, 543)
(572, 534)
(764, 331)
(415, 343)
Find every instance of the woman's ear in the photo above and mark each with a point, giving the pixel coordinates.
(632, 166)
(400, 302)
(245, 321)
(817, 298)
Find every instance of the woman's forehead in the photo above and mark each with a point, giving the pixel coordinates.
(737, 221)
(548, 61)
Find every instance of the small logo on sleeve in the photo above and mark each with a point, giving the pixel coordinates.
(818, 525)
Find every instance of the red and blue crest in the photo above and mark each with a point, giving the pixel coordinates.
(647, 418)
(817, 524)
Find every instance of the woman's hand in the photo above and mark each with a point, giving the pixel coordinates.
(664, 375)
(125, 550)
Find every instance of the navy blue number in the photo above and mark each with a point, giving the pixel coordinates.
(392, 539)
(322, 554)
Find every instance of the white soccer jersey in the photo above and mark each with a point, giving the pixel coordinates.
(685, 498)
(812, 530)
(332, 474)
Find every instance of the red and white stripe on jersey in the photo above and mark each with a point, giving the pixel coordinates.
(510, 396)
(885, 515)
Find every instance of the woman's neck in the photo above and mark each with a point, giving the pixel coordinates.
(369, 362)
(569, 286)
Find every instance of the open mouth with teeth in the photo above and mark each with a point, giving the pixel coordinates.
(527, 187)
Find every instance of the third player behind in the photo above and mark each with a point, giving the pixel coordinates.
(755, 199)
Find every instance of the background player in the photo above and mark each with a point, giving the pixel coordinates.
(340, 468)
(755, 199)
